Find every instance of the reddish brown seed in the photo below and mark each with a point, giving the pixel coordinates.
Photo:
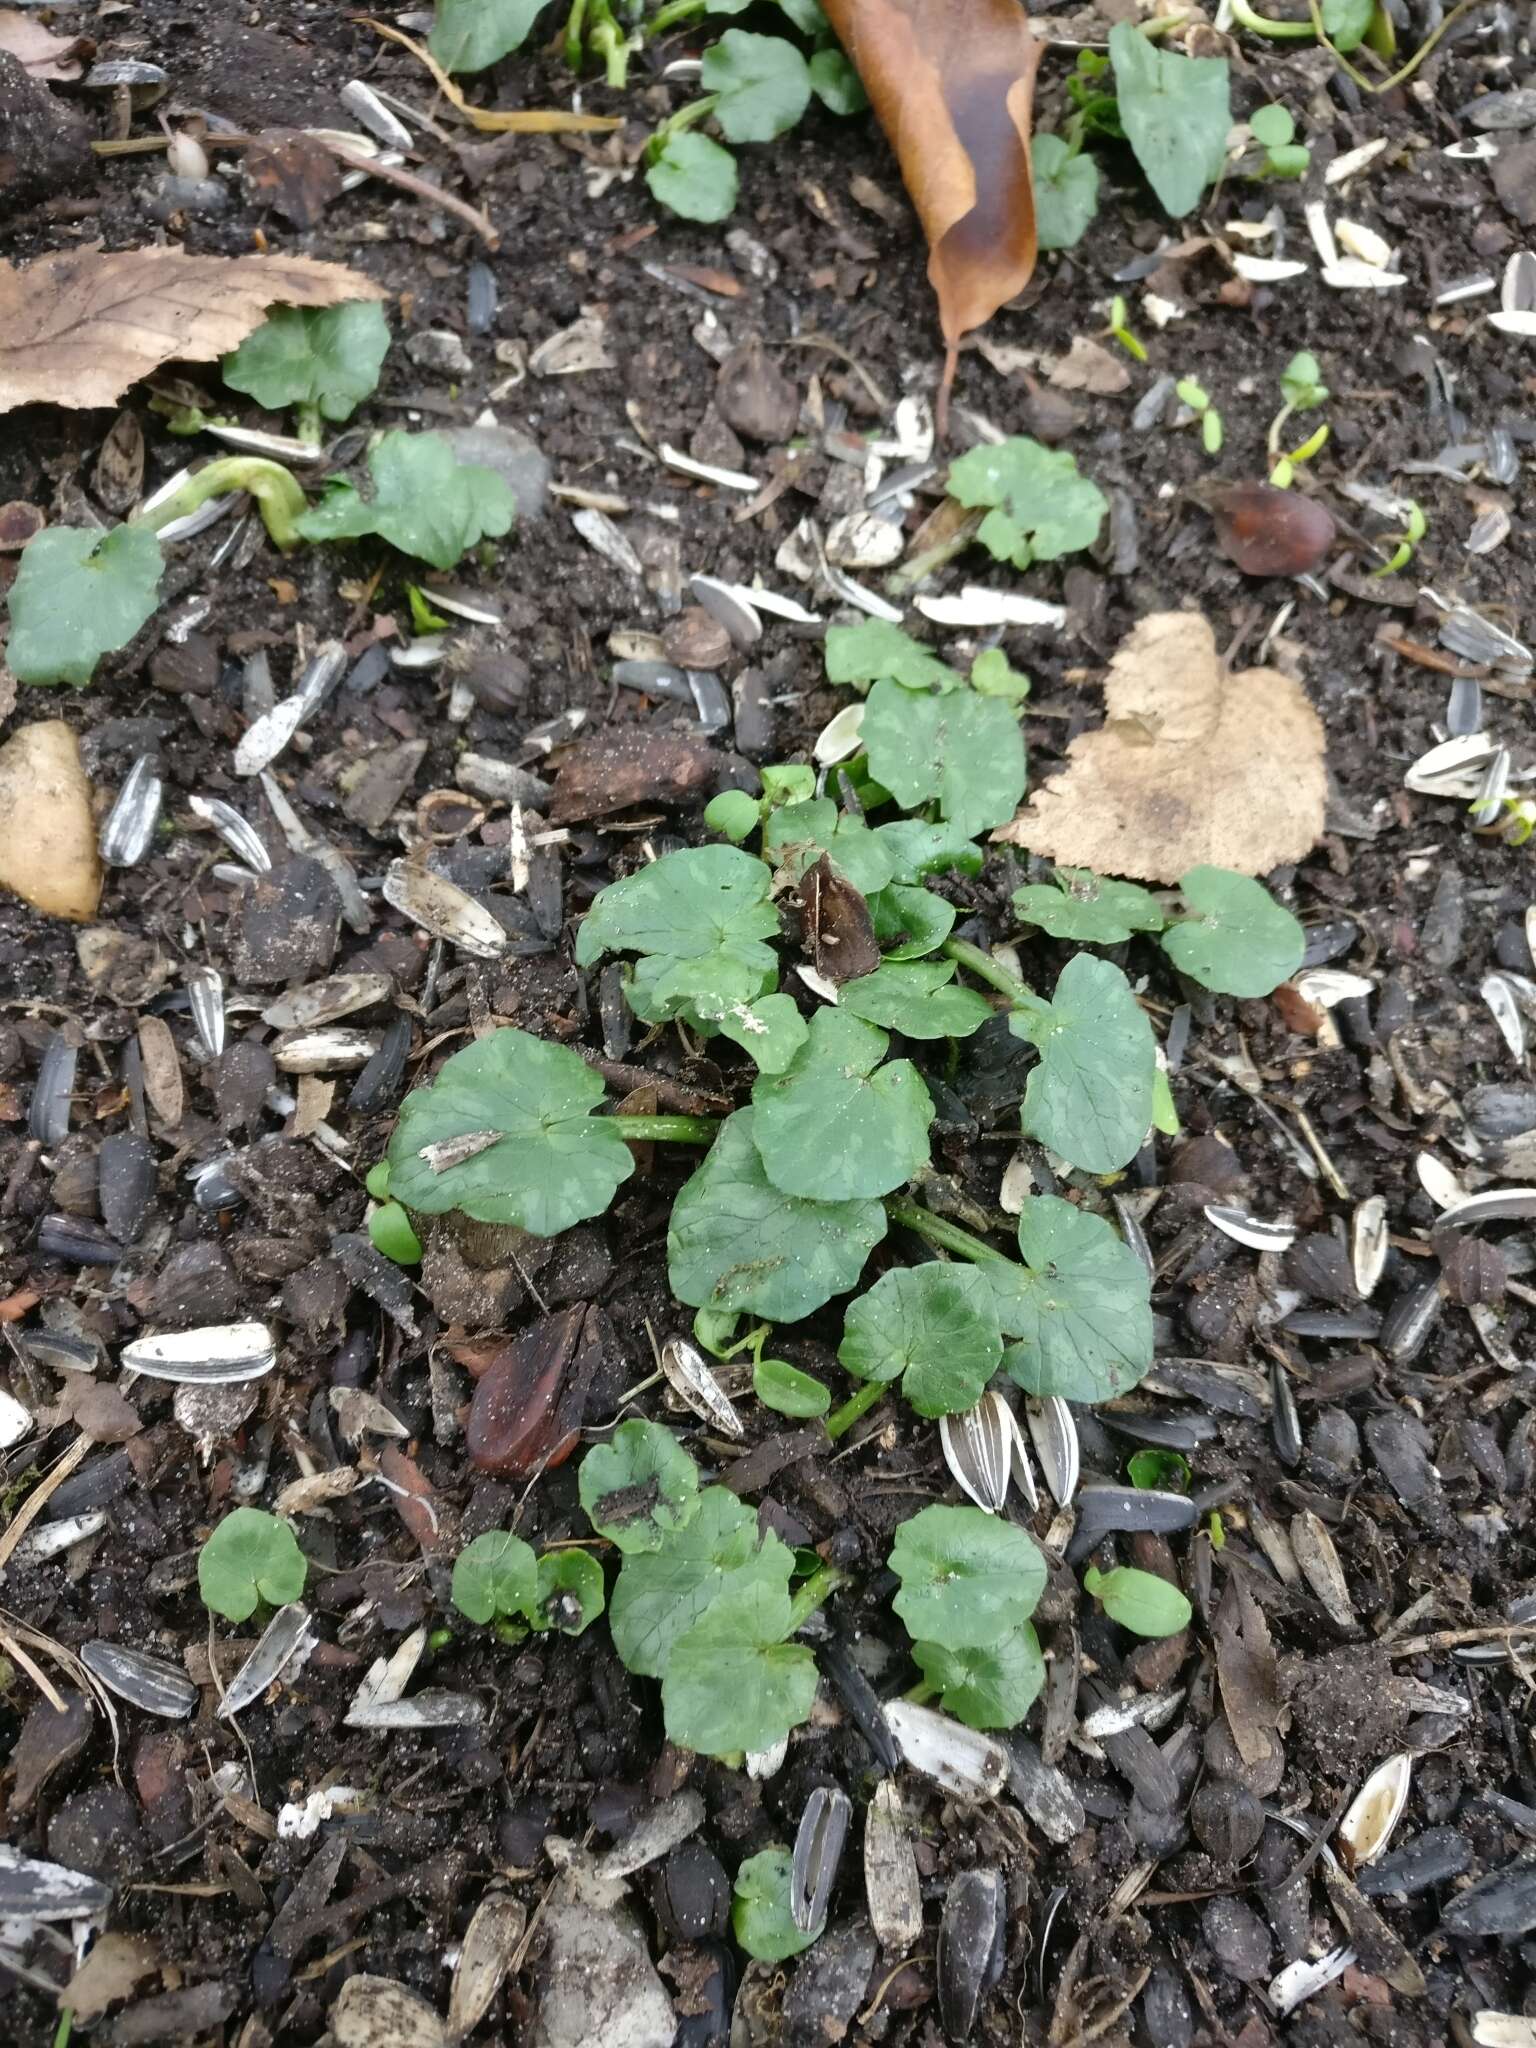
(1270, 532)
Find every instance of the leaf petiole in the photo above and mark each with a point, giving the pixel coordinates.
(679, 124)
(573, 41)
(1265, 25)
(669, 16)
(275, 490)
(985, 968)
(841, 1420)
(948, 1237)
(664, 1130)
(817, 1588)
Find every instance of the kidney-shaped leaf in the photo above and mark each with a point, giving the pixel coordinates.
(1236, 939)
(837, 1123)
(1079, 1303)
(506, 1134)
(698, 918)
(738, 1242)
(1041, 508)
(1086, 907)
(965, 751)
(495, 1576)
(917, 998)
(989, 1685)
(425, 502)
(966, 1577)
(469, 35)
(1090, 1097)
(639, 1487)
(732, 1682)
(763, 85)
(935, 1327)
(80, 594)
(328, 356)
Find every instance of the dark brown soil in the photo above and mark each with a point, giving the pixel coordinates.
(570, 1744)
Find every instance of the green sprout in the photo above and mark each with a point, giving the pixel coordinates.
(1415, 526)
(1303, 389)
(1274, 129)
(1119, 330)
(1197, 398)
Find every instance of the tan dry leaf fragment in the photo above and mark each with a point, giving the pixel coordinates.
(78, 328)
(39, 53)
(1192, 766)
(952, 83)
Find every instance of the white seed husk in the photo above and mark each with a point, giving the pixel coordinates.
(977, 606)
(326, 1051)
(289, 1635)
(217, 1355)
(322, 1002)
(965, 1762)
(1053, 1432)
(838, 739)
(1259, 1233)
(1368, 1244)
(485, 1956)
(1455, 767)
(1320, 1567)
(444, 909)
(1438, 1181)
(697, 1388)
(706, 472)
(146, 1682)
(1375, 1811)
(1303, 1979)
(891, 1885)
(731, 607)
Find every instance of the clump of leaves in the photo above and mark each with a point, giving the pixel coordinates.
(756, 88)
(1139, 1601)
(250, 1557)
(1231, 935)
(969, 1583)
(1041, 507)
(498, 1578)
(703, 1598)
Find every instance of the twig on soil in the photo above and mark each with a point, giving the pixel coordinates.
(1448, 1638)
(40, 1496)
(392, 174)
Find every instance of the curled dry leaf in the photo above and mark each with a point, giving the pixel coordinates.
(952, 82)
(79, 327)
(1192, 766)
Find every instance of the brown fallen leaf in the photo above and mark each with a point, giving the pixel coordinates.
(1191, 766)
(39, 53)
(78, 328)
(952, 82)
(292, 173)
(1088, 366)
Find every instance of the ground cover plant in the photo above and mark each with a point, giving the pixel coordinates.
(925, 1404)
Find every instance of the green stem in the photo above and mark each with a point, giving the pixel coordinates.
(1277, 427)
(841, 1420)
(1262, 25)
(920, 1694)
(817, 1588)
(1404, 71)
(665, 1130)
(684, 119)
(575, 27)
(670, 15)
(985, 968)
(307, 421)
(949, 1237)
(612, 45)
(274, 488)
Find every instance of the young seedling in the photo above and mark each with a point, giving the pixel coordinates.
(969, 1585)
(1274, 129)
(80, 594)
(1119, 329)
(1197, 398)
(761, 1919)
(1176, 112)
(250, 1557)
(1303, 389)
(1066, 186)
(1415, 526)
(1040, 506)
(1345, 23)
(1139, 1601)
(389, 1226)
(322, 361)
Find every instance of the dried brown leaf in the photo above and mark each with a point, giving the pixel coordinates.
(78, 328)
(1192, 766)
(952, 82)
(40, 54)
(1246, 1669)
